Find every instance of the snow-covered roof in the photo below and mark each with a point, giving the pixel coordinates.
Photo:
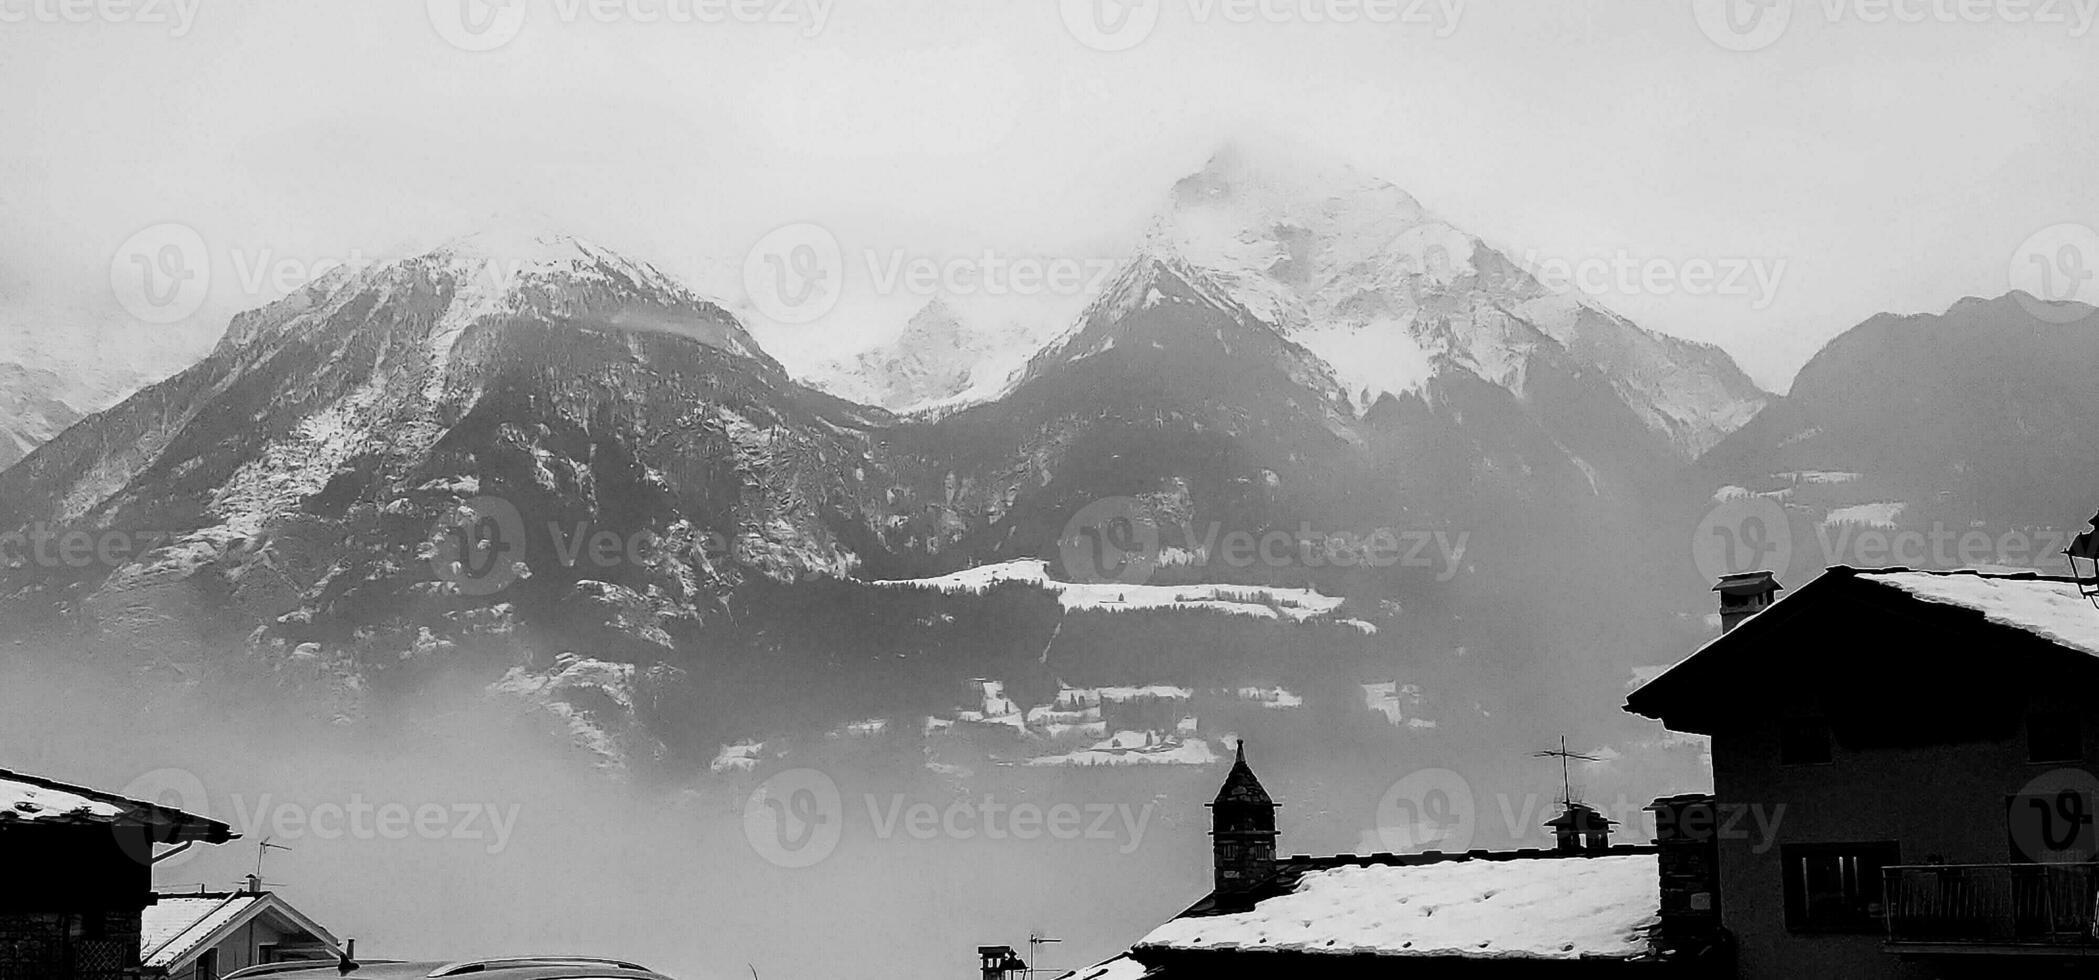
(2050, 608)
(1544, 907)
(28, 799)
(174, 926)
(21, 800)
(1119, 968)
(177, 927)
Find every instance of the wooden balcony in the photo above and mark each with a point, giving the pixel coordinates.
(2041, 909)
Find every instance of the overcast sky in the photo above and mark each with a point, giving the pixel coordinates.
(1890, 166)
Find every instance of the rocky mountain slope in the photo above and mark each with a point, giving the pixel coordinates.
(32, 410)
(551, 471)
(1978, 419)
(40, 397)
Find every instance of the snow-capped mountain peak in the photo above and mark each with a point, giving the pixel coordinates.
(1390, 296)
(949, 355)
(538, 274)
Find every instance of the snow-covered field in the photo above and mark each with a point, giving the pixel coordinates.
(1294, 605)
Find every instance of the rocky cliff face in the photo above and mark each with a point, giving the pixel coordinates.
(1976, 422)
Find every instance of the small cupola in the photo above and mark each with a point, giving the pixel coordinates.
(1745, 594)
(1242, 830)
(1581, 829)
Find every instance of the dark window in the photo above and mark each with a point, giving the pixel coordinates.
(1836, 887)
(1804, 742)
(208, 965)
(2054, 736)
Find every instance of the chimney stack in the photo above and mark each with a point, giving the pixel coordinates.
(1686, 829)
(999, 962)
(1743, 595)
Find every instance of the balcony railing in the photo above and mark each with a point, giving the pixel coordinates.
(1992, 904)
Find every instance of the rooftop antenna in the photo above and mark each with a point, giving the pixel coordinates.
(262, 850)
(1035, 944)
(1566, 776)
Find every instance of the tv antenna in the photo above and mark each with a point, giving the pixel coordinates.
(1035, 944)
(1566, 775)
(262, 850)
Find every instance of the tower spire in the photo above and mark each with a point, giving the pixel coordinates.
(1242, 830)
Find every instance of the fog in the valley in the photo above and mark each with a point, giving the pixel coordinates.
(450, 824)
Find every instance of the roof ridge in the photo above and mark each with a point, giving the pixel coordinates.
(1423, 858)
(2022, 575)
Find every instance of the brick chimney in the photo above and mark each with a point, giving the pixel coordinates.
(1743, 595)
(999, 962)
(1242, 831)
(1686, 829)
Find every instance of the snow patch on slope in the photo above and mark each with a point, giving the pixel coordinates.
(1293, 605)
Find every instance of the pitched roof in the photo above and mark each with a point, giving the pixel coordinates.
(2046, 611)
(26, 799)
(1527, 904)
(2046, 606)
(176, 927)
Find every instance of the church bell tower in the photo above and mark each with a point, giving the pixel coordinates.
(1242, 831)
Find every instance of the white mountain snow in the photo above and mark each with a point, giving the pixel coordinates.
(949, 355)
(1388, 295)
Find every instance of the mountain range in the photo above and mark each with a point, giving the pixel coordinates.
(558, 473)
